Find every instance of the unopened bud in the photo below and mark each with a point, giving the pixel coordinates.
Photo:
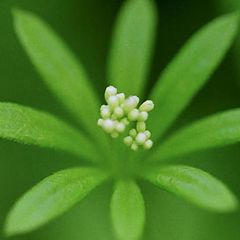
(147, 106)
(141, 126)
(128, 140)
(133, 115)
(148, 144)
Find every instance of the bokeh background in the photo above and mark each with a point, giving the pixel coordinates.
(86, 26)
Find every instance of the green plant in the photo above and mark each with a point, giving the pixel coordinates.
(110, 159)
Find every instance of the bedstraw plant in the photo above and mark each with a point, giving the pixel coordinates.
(125, 139)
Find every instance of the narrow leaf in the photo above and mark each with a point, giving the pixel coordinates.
(219, 130)
(195, 186)
(127, 209)
(190, 70)
(29, 126)
(132, 44)
(50, 198)
(59, 68)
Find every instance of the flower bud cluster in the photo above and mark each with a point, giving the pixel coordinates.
(119, 112)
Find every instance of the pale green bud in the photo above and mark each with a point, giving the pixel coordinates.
(105, 112)
(143, 116)
(114, 135)
(133, 133)
(121, 97)
(108, 125)
(120, 127)
(134, 147)
(100, 122)
(148, 134)
(110, 91)
(128, 140)
(113, 101)
(118, 112)
(125, 121)
(141, 126)
(148, 144)
(133, 115)
(147, 106)
(130, 103)
(141, 138)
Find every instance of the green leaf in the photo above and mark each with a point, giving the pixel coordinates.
(132, 44)
(29, 126)
(190, 70)
(50, 198)
(219, 130)
(195, 186)
(59, 68)
(128, 211)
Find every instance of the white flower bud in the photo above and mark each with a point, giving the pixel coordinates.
(133, 115)
(134, 147)
(143, 116)
(118, 112)
(148, 134)
(105, 112)
(148, 144)
(141, 138)
(108, 125)
(110, 91)
(141, 126)
(113, 101)
(121, 97)
(130, 103)
(133, 133)
(128, 140)
(147, 106)
(120, 127)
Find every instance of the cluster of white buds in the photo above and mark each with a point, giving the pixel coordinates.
(119, 112)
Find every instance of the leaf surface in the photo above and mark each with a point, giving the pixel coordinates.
(132, 45)
(59, 68)
(195, 186)
(219, 130)
(29, 126)
(190, 70)
(50, 198)
(127, 209)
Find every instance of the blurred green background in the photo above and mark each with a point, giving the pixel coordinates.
(86, 26)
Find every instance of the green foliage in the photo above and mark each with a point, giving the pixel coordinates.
(216, 131)
(195, 186)
(52, 197)
(190, 70)
(128, 212)
(59, 69)
(128, 65)
(132, 46)
(29, 126)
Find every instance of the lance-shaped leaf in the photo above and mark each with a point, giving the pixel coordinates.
(190, 70)
(29, 126)
(50, 198)
(127, 210)
(195, 186)
(215, 131)
(132, 44)
(59, 68)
